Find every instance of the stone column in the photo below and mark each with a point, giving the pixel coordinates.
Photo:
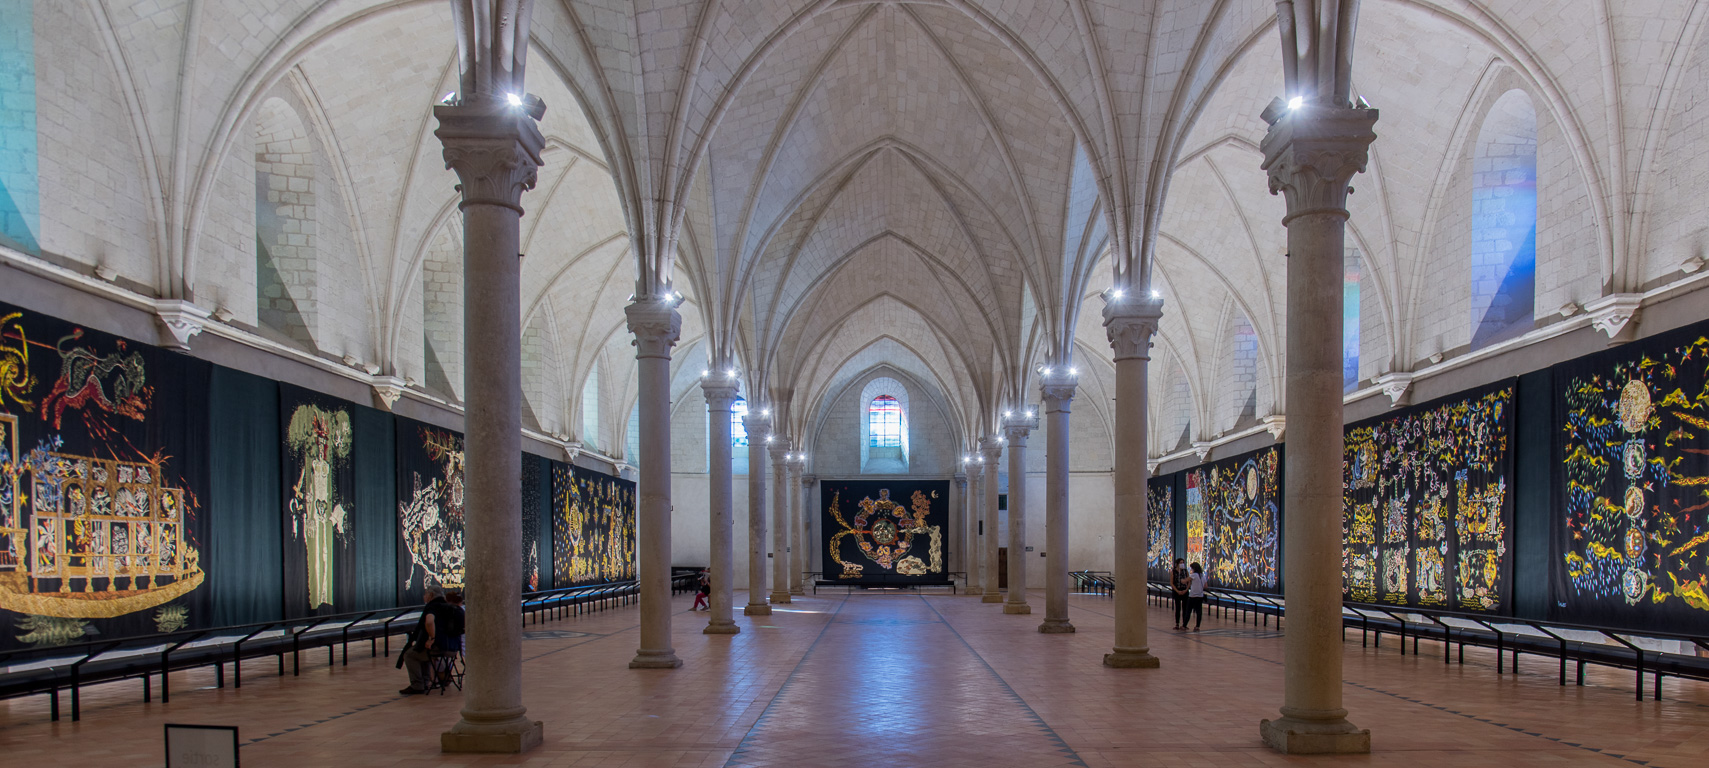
(960, 509)
(720, 394)
(758, 427)
(809, 513)
(1130, 323)
(780, 522)
(1311, 153)
(1057, 389)
(991, 451)
(656, 326)
(1016, 430)
(797, 495)
(495, 151)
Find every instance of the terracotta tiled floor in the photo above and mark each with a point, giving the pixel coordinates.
(897, 680)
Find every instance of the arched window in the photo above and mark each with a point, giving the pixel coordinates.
(1350, 321)
(738, 432)
(884, 422)
(1504, 222)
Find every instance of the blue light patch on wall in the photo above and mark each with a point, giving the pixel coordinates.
(20, 193)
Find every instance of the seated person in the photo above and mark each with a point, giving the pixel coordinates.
(439, 622)
(454, 643)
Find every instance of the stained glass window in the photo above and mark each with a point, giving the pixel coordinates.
(884, 419)
(738, 433)
(1504, 222)
(1350, 322)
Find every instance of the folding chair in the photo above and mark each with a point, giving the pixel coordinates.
(446, 670)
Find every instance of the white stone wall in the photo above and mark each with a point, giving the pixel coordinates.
(442, 314)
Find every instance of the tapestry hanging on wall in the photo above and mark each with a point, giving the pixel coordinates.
(1160, 527)
(1240, 500)
(1428, 504)
(1631, 540)
(430, 509)
(103, 466)
(885, 530)
(531, 509)
(593, 527)
(1195, 514)
(319, 512)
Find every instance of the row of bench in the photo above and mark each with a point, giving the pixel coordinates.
(1570, 645)
(50, 671)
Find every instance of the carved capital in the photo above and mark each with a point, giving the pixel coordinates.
(388, 389)
(720, 394)
(1312, 152)
(494, 150)
(1017, 431)
(1130, 324)
(779, 453)
(992, 448)
(808, 481)
(181, 319)
(1396, 384)
(1058, 390)
(1202, 449)
(656, 325)
(757, 425)
(975, 469)
(1276, 425)
(1616, 315)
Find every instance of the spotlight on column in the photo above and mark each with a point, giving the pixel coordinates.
(766, 412)
(1296, 102)
(730, 373)
(449, 97)
(515, 100)
(1007, 414)
(1073, 371)
(1156, 294)
(1116, 293)
(1029, 414)
(704, 374)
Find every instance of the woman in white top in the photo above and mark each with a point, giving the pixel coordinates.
(1195, 597)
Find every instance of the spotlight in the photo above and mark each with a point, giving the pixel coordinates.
(449, 97)
(1073, 371)
(766, 412)
(1029, 414)
(704, 374)
(1007, 414)
(515, 100)
(731, 373)
(1156, 294)
(1115, 293)
(1295, 102)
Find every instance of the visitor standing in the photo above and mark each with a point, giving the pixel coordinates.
(1178, 591)
(703, 593)
(1195, 597)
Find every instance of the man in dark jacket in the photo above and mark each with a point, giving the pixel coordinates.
(433, 633)
(1178, 583)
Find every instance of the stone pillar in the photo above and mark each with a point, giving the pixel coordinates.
(809, 513)
(797, 496)
(720, 394)
(758, 427)
(1130, 323)
(495, 151)
(1016, 430)
(780, 522)
(1057, 389)
(960, 510)
(1311, 153)
(656, 326)
(991, 451)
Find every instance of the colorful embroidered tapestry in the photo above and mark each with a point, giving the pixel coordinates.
(1194, 552)
(319, 483)
(103, 466)
(1428, 505)
(430, 509)
(1632, 483)
(593, 527)
(1241, 501)
(885, 530)
(1160, 527)
(531, 503)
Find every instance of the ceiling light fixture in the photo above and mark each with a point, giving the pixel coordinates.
(1115, 293)
(1156, 294)
(1296, 102)
(515, 100)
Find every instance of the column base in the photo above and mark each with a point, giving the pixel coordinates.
(756, 609)
(780, 596)
(1056, 627)
(1131, 658)
(797, 591)
(1292, 736)
(655, 660)
(507, 737)
(726, 627)
(992, 597)
(1017, 609)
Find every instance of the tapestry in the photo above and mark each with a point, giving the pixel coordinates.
(430, 509)
(885, 530)
(1428, 508)
(1195, 549)
(593, 527)
(1632, 485)
(103, 466)
(319, 483)
(1240, 500)
(531, 502)
(1160, 527)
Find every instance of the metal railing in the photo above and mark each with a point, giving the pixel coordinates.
(30, 671)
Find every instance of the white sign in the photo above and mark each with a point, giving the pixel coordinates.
(201, 746)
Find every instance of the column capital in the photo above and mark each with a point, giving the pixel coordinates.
(797, 464)
(720, 393)
(757, 424)
(1017, 431)
(808, 481)
(993, 450)
(1313, 151)
(494, 149)
(779, 451)
(656, 325)
(975, 469)
(1130, 324)
(1057, 388)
